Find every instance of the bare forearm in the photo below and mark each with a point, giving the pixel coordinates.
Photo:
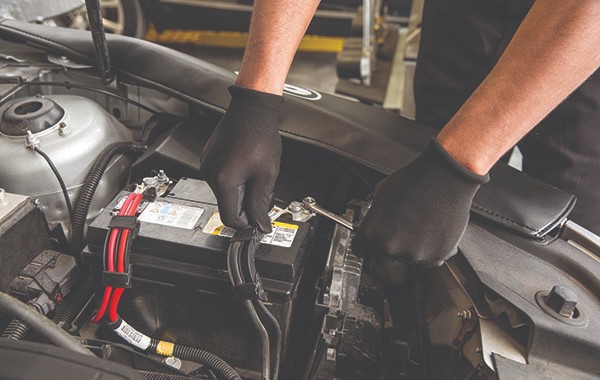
(275, 33)
(552, 53)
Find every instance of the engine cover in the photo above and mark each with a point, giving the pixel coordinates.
(72, 131)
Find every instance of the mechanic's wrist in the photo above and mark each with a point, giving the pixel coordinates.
(439, 181)
(262, 83)
(457, 166)
(468, 155)
(255, 110)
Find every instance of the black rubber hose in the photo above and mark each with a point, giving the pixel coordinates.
(248, 275)
(278, 337)
(99, 37)
(264, 339)
(233, 265)
(59, 178)
(89, 189)
(206, 358)
(67, 310)
(422, 328)
(166, 376)
(16, 330)
(17, 309)
(235, 275)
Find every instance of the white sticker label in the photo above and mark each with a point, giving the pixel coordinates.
(283, 233)
(132, 336)
(172, 215)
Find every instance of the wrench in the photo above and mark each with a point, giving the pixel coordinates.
(310, 204)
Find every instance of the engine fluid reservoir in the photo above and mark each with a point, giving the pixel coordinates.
(180, 289)
(72, 131)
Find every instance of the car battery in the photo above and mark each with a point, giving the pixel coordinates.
(180, 285)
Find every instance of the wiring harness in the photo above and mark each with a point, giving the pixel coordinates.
(117, 270)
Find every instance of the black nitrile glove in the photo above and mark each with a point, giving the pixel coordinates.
(241, 159)
(420, 212)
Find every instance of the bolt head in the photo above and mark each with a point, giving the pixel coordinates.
(562, 300)
(162, 177)
(173, 362)
(63, 129)
(295, 206)
(151, 181)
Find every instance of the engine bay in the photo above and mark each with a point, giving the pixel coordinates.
(330, 312)
(101, 190)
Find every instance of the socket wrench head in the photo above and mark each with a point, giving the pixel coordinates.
(308, 202)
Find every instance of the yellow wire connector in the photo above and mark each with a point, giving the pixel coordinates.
(165, 348)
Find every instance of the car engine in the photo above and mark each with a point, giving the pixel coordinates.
(107, 230)
(330, 313)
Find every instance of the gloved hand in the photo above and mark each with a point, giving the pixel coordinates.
(420, 212)
(240, 162)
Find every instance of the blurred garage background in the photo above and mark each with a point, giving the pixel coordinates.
(363, 49)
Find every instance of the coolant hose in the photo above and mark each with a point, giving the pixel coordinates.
(17, 309)
(89, 189)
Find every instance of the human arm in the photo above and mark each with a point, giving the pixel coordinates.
(241, 160)
(275, 34)
(553, 52)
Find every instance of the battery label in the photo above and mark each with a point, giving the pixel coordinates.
(283, 234)
(172, 215)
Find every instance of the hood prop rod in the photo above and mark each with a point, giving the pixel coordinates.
(99, 37)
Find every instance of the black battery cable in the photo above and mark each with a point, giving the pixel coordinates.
(59, 178)
(247, 288)
(20, 84)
